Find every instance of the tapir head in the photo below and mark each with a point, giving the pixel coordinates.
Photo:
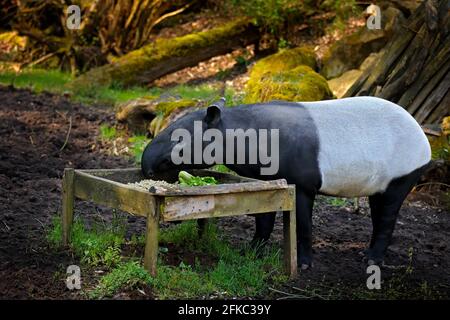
(158, 155)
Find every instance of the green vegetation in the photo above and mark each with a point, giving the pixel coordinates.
(36, 79)
(125, 276)
(338, 202)
(55, 81)
(234, 274)
(107, 132)
(98, 246)
(230, 273)
(274, 15)
(138, 144)
(187, 179)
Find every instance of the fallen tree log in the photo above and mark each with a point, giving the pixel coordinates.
(165, 56)
(414, 69)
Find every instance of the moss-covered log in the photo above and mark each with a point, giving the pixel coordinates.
(169, 55)
(152, 115)
(414, 69)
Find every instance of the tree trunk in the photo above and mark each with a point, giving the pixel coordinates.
(413, 70)
(165, 56)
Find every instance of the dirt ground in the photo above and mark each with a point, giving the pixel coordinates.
(33, 154)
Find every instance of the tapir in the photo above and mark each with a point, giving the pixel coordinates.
(351, 147)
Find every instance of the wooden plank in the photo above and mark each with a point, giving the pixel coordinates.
(290, 237)
(441, 111)
(67, 204)
(222, 205)
(151, 236)
(110, 193)
(118, 175)
(433, 99)
(220, 188)
(290, 242)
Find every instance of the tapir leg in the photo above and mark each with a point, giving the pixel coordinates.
(304, 206)
(264, 227)
(384, 209)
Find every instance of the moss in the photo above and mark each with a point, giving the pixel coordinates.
(132, 68)
(284, 60)
(166, 107)
(13, 39)
(164, 110)
(299, 84)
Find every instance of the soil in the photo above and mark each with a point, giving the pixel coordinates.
(34, 153)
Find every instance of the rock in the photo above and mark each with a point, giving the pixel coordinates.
(349, 52)
(340, 85)
(284, 60)
(287, 75)
(299, 84)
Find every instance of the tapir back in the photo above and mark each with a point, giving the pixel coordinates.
(365, 143)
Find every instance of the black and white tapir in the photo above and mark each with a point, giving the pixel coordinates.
(352, 147)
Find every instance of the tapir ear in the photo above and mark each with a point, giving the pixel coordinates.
(212, 117)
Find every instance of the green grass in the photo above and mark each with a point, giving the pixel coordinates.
(129, 275)
(55, 81)
(37, 79)
(338, 202)
(99, 245)
(138, 144)
(234, 274)
(107, 132)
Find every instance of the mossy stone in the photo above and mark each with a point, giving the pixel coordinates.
(299, 84)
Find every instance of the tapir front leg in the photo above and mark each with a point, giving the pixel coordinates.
(264, 227)
(304, 206)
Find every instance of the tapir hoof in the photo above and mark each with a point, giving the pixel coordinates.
(373, 259)
(304, 263)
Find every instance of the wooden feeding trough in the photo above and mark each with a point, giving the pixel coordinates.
(234, 196)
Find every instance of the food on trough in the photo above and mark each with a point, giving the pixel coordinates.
(187, 179)
(148, 183)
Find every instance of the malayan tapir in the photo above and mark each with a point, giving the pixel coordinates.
(351, 147)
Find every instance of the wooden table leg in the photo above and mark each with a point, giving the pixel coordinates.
(67, 205)
(290, 242)
(151, 238)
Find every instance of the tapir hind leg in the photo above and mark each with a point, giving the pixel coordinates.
(384, 209)
(304, 207)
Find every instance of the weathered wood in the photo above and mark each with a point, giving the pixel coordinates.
(102, 187)
(67, 204)
(433, 99)
(223, 205)
(431, 68)
(112, 194)
(290, 238)
(125, 175)
(428, 88)
(412, 70)
(220, 188)
(151, 236)
(442, 109)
